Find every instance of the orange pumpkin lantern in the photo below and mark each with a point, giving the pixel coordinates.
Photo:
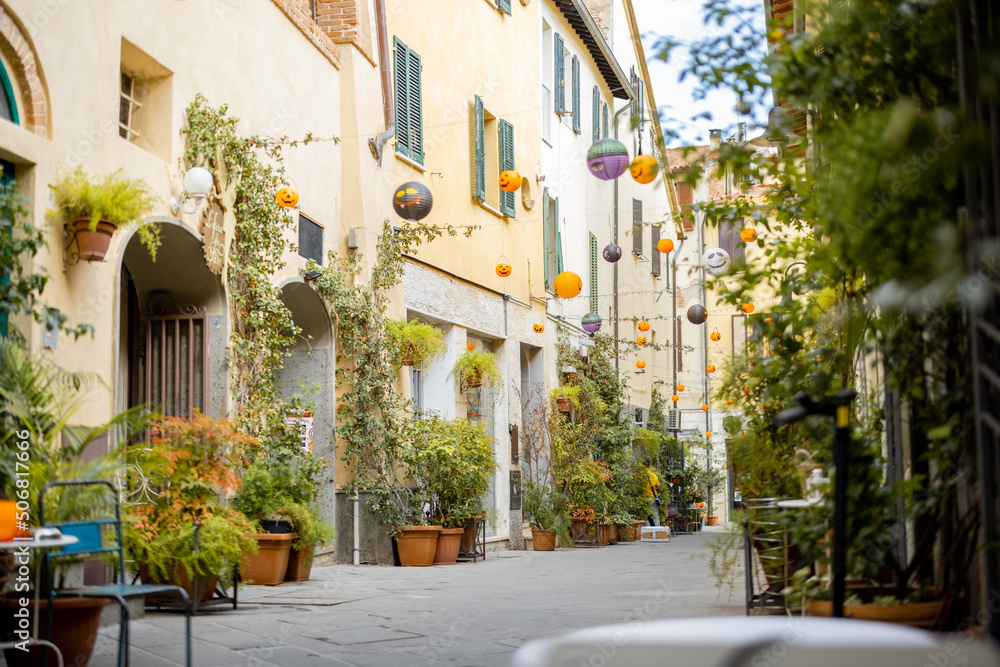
(640, 364)
(729, 401)
(470, 347)
(641, 340)
(708, 434)
(503, 269)
(510, 180)
(705, 407)
(749, 235)
(710, 368)
(675, 398)
(644, 168)
(568, 284)
(286, 197)
(538, 328)
(664, 245)
(643, 325)
(680, 387)
(716, 336)
(747, 308)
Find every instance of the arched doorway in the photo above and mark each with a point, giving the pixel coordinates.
(173, 327)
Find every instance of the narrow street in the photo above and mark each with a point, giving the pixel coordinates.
(463, 614)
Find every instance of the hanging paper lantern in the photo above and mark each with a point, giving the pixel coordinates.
(412, 201)
(710, 368)
(708, 434)
(643, 325)
(640, 364)
(538, 328)
(749, 234)
(286, 197)
(705, 407)
(664, 245)
(697, 314)
(644, 168)
(747, 308)
(568, 284)
(641, 340)
(607, 159)
(503, 269)
(612, 253)
(591, 322)
(509, 180)
(716, 336)
(675, 398)
(469, 347)
(716, 261)
(680, 387)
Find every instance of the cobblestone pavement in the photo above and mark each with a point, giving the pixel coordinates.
(463, 614)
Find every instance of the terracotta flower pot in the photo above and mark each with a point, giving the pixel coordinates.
(543, 540)
(74, 630)
(448, 544)
(269, 564)
(713, 521)
(94, 244)
(300, 563)
(613, 533)
(417, 545)
(563, 404)
(917, 615)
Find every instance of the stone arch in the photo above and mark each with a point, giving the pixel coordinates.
(26, 72)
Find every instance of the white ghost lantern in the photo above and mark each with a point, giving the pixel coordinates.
(715, 261)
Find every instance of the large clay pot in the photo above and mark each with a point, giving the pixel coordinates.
(449, 541)
(417, 545)
(713, 521)
(917, 615)
(300, 564)
(613, 536)
(267, 567)
(74, 630)
(543, 540)
(94, 244)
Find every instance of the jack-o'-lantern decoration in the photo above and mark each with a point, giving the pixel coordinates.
(640, 364)
(643, 325)
(568, 284)
(412, 201)
(538, 328)
(510, 180)
(641, 340)
(607, 159)
(716, 336)
(680, 387)
(664, 245)
(708, 434)
(710, 368)
(470, 347)
(716, 261)
(749, 234)
(675, 398)
(729, 401)
(286, 197)
(705, 407)
(644, 168)
(747, 308)
(503, 268)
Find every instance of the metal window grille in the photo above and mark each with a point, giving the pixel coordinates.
(129, 104)
(654, 238)
(593, 273)
(310, 240)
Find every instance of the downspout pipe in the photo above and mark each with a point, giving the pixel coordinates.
(625, 108)
(377, 145)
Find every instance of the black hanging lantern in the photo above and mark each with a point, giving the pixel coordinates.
(612, 252)
(697, 314)
(412, 201)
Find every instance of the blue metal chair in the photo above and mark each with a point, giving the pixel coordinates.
(92, 542)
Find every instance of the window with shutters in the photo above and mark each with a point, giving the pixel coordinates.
(596, 124)
(593, 273)
(604, 120)
(310, 240)
(559, 73)
(409, 108)
(636, 227)
(685, 197)
(637, 106)
(552, 240)
(576, 95)
(654, 238)
(493, 152)
(730, 241)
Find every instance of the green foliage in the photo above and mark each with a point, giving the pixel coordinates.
(569, 392)
(657, 417)
(414, 340)
(115, 199)
(476, 366)
(20, 242)
(453, 463)
(313, 531)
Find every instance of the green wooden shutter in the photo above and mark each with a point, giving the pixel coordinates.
(555, 222)
(596, 125)
(593, 273)
(400, 62)
(479, 183)
(504, 6)
(637, 226)
(605, 120)
(560, 71)
(413, 74)
(547, 236)
(654, 238)
(576, 94)
(506, 162)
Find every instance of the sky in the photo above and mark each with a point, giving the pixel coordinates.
(682, 20)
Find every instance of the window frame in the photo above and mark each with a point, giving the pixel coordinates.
(407, 108)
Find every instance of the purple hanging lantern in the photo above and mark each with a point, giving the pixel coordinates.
(607, 159)
(591, 322)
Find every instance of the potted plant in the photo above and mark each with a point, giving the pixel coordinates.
(187, 470)
(453, 462)
(262, 493)
(312, 532)
(96, 208)
(566, 397)
(476, 367)
(414, 343)
(539, 510)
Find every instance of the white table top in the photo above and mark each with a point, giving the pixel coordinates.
(32, 543)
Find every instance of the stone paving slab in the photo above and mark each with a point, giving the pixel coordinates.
(463, 614)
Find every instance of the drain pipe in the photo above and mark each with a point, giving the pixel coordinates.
(625, 108)
(377, 144)
(357, 530)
